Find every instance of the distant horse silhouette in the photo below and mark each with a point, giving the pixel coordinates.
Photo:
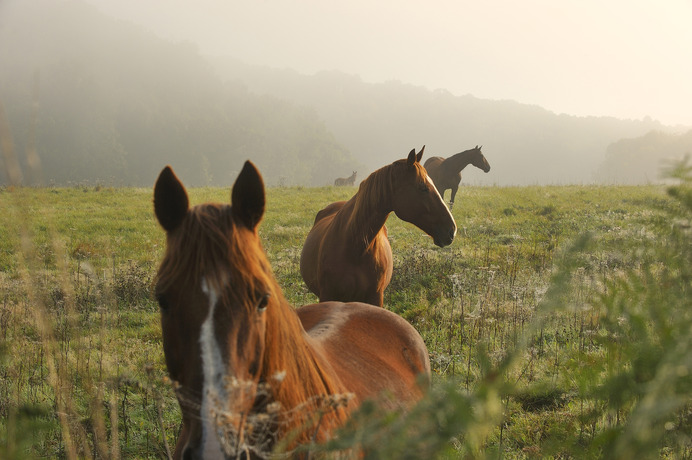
(347, 256)
(342, 181)
(250, 370)
(446, 173)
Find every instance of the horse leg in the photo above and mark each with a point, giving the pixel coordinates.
(451, 200)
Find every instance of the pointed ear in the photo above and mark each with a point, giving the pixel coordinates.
(247, 197)
(170, 200)
(420, 154)
(411, 157)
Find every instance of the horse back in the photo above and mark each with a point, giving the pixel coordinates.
(310, 254)
(329, 210)
(372, 350)
(432, 163)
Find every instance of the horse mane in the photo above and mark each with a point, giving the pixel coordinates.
(376, 189)
(307, 391)
(199, 248)
(206, 245)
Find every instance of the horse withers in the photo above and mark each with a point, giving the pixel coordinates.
(347, 256)
(250, 371)
(446, 172)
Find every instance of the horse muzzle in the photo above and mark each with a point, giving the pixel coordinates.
(445, 238)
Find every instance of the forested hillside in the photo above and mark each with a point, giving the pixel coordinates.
(115, 104)
(638, 160)
(524, 144)
(107, 102)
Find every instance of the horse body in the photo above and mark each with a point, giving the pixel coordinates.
(343, 181)
(349, 266)
(347, 256)
(367, 329)
(446, 172)
(250, 369)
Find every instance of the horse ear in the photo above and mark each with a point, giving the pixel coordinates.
(247, 197)
(420, 154)
(170, 200)
(411, 157)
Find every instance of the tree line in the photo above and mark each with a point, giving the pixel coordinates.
(115, 104)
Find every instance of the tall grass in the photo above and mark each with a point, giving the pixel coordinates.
(558, 323)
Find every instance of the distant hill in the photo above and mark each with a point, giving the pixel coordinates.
(378, 123)
(643, 159)
(116, 104)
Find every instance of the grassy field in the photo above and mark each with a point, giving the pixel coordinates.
(557, 322)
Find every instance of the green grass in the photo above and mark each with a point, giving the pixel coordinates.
(542, 342)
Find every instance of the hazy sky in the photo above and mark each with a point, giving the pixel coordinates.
(622, 58)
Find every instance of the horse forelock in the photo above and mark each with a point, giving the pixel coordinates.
(208, 246)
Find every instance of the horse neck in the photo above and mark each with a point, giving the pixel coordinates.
(307, 377)
(456, 163)
(365, 214)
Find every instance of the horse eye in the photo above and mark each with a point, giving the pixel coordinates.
(263, 302)
(423, 188)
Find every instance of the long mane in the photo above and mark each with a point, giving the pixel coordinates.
(378, 188)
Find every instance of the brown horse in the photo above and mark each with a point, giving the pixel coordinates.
(343, 181)
(250, 371)
(347, 256)
(446, 173)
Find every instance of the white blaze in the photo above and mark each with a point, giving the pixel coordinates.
(441, 199)
(214, 369)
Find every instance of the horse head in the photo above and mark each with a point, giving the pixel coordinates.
(478, 160)
(416, 200)
(214, 288)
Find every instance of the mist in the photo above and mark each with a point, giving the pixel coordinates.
(120, 94)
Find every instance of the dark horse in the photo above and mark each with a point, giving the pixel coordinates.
(446, 173)
(342, 181)
(347, 256)
(249, 370)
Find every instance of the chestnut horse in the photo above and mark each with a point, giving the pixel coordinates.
(446, 173)
(250, 371)
(343, 181)
(347, 256)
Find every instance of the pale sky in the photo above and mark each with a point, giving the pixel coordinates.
(621, 58)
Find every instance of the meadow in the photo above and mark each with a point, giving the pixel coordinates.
(558, 322)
